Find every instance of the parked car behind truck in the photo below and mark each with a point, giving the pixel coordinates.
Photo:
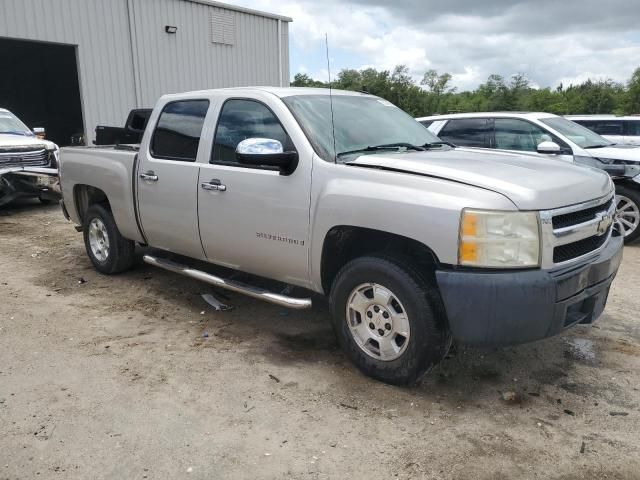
(414, 242)
(28, 164)
(552, 137)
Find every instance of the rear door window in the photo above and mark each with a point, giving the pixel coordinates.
(467, 132)
(177, 134)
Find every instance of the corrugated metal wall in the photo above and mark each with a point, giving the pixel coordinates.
(121, 67)
(101, 30)
(188, 60)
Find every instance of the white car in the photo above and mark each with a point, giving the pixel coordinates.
(28, 163)
(618, 129)
(554, 137)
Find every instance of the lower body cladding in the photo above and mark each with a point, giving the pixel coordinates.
(506, 308)
(22, 183)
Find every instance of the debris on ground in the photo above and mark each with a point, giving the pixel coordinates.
(582, 448)
(274, 378)
(618, 414)
(81, 281)
(346, 405)
(511, 397)
(215, 303)
(569, 412)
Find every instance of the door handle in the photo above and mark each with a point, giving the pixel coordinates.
(214, 185)
(149, 176)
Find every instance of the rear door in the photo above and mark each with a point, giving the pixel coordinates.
(467, 132)
(168, 177)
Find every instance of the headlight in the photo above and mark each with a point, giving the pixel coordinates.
(495, 239)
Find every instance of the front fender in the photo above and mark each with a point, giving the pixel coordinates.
(425, 209)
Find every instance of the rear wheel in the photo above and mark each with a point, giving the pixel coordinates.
(627, 213)
(107, 249)
(389, 319)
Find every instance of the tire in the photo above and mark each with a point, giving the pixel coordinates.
(119, 254)
(628, 210)
(428, 337)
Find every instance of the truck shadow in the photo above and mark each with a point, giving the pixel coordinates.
(284, 338)
(25, 205)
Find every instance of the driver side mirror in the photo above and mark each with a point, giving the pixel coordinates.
(548, 147)
(266, 153)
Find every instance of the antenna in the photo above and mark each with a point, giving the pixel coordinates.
(333, 124)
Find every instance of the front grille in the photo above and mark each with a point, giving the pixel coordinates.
(571, 233)
(577, 249)
(20, 157)
(581, 216)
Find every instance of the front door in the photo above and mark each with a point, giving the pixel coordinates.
(255, 220)
(168, 176)
(517, 136)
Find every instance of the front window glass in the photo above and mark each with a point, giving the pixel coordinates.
(514, 134)
(9, 124)
(243, 119)
(632, 127)
(359, 122)
(581, 136)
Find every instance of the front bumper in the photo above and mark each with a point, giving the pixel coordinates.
(29, 182)
(506, 308)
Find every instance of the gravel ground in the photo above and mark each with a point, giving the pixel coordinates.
(135, 376)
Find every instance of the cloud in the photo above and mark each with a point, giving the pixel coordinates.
(547, 40)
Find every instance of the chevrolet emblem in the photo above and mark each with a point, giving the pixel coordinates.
(606, 219)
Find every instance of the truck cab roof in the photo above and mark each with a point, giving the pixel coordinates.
(281, 92)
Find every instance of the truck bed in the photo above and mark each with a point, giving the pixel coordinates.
(110, 169)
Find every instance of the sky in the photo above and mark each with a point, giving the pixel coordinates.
(550, 41)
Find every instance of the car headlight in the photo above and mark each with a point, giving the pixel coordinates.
(497, 239)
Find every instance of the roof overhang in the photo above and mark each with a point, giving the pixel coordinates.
(235, 8)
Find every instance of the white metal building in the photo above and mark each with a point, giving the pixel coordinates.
(69, 65)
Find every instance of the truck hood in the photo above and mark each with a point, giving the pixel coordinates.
(617, 152)
(530, 183)
(21, 141)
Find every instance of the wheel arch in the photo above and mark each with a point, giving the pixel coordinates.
(343, 243)
(86, 195)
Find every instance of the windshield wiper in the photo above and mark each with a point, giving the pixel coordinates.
(599, 146)
(22, 134)
(388, 146)
(440, 143)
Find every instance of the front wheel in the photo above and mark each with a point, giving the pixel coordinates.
(107, 249)
(389, 319)
(627, 213)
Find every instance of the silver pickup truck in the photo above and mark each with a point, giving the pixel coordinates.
(414, 242)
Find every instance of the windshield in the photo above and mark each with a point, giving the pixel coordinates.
(578, 134)
(360, 122)
(9, 124)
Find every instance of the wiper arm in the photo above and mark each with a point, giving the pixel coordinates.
(388, 146)
(599, 146)
(441, 143)
(22, 134)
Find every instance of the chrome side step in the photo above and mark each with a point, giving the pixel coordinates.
(282, 300)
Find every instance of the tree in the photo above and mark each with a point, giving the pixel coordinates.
(434, 93)
(632, 100)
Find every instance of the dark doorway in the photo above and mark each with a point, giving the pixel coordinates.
(39, 84)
